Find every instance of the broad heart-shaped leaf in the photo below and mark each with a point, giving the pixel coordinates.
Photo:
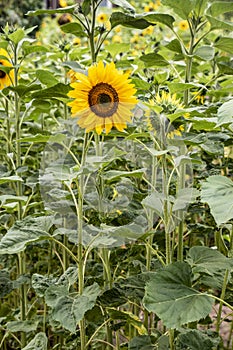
(128, 21)
(217, 191)
(194, 339)
(28, 230)
(68, 310)
(210, 264)
(179, 7)
(225, 113)
(39, 342)
(225, 44)
(169, 294)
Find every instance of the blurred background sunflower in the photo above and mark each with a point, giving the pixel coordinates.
(6, 74)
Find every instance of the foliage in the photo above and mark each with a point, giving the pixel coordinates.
(121, 239)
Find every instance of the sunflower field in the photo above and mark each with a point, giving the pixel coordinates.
(116, 160)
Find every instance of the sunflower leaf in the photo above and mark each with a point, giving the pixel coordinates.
(120, 18)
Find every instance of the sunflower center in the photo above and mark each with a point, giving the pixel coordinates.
(103, 100)
(2, 73)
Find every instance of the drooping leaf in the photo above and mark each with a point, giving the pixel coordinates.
(210, 264)
(163, 18)
(225, 113)
(68, 9)
(86, 7)
(217, 191)
(39, 342)
(120, 18)
(28, 230)
(170, 295)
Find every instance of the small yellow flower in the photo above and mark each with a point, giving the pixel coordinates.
(183, 25)
(152, 6)
(6, 77)
(108, 25)
(77, 41)
(102, 18)
(117, 39)
(63, 3)
(148, 31)
(135, 39)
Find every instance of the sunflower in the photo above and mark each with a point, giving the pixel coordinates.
(103, 99)
(6, 77)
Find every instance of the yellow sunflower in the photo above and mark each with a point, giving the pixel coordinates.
(103, 99)
(6, 77)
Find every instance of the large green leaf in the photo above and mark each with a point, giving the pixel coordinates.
(57, 91)
(205, 52)
(73, 28)
(194, 339)
(46, 77)
(225, 44)
(170, 295)
(225, 113)
(210, 264)
(68, 310)
(39, 342)
(217, 191)
(24, 232)
(22, 326)
(13, 178)
(179, 7)
(154, 59)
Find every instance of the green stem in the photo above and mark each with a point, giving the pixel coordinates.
(92, 33)
(225, 281)
(181, 185)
